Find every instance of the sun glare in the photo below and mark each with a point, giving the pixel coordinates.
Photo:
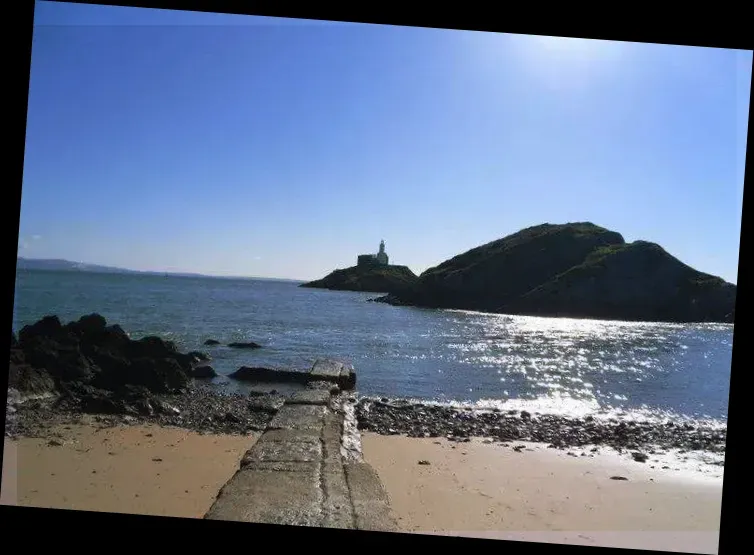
(564, 44)
(563, 63)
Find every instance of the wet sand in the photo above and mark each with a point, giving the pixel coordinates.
(147, 470)
(540, 494)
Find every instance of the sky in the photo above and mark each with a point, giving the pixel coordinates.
(247, 146)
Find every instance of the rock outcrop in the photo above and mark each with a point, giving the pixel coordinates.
(573, 270)
(373, 279)
(96, 365)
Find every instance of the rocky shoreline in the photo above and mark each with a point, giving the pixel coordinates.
(204, 409)
(200, 408)
(395, 417)
(61, 373)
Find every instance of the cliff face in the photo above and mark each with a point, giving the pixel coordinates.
(374, 279)
(576, 270)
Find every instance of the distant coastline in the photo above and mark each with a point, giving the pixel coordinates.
(60, 265)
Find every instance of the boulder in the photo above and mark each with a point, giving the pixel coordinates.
(245, 345)
(203, 371)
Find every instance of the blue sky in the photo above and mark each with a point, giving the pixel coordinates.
(235, 145)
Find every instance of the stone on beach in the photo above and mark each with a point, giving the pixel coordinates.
(203, 371)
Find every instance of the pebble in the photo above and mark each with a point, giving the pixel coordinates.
(416, 420)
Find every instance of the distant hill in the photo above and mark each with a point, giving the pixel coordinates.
(573, 270)
(58, 265)
(66, 265)
(373, 279)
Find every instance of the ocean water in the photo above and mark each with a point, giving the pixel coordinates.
(565, 366)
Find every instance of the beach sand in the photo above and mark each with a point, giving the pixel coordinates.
(146, 470)
(467, 489)
(539, 494)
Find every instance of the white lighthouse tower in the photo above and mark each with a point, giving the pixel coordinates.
(382, 255)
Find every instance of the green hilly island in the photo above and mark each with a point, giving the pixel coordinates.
(572, 270)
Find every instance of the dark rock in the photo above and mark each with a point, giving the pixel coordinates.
(144, 407)
(425, 463)
(212, 342)
(62, 361)
(203, 371)
(162, 375)
(17, 355)
(525, 415)
(165, 408)
(101, 403)
(639, 457)
(29, 381)
(90, 325)
(618, 478)
(48, 327)
(246, 345)
(199, 356)
(268, 403)
(151, 347)
(270, 375)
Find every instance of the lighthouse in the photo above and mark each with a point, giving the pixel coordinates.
(382, 255)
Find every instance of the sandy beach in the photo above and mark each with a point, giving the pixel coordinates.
(487, 490)
(147, 470)
(436, 486)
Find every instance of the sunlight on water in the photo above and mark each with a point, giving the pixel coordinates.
(570, 366)
(552, 364)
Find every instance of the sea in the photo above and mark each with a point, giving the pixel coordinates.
(577, 367)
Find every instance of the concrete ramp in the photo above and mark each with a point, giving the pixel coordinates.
(324, 371)
(296, 473)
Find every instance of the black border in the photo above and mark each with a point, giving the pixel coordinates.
(669, 26)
